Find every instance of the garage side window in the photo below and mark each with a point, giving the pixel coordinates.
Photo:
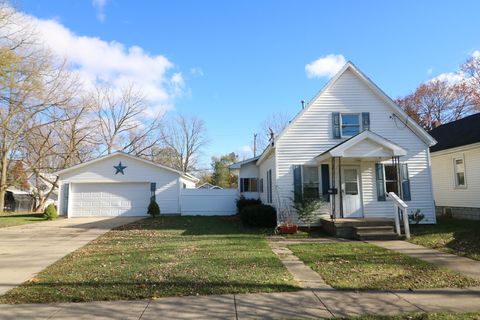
(153, 188)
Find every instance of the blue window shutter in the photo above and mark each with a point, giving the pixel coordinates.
(380, 182)
(297, 183)
(366, 120)
(336, 125)
(325, 181)
(269, 186)
(405, 182)
(241, 184)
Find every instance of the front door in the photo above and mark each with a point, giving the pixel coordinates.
(351, 192)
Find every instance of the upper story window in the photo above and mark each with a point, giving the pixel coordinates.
(459, 171)
(350, 124)
(248, 185)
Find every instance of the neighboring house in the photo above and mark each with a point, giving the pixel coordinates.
(209, 186)
(18, 200)
(120, 184)
(44, 186)
(456, 168)
(350, 146)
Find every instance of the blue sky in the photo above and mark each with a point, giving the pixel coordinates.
(237, 62)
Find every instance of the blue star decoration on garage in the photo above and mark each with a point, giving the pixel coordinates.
(119, 168)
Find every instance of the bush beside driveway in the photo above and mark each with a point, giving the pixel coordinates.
(165, 256)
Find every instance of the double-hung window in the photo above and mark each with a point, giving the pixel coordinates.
(310, 183)
(459, 172)
(248, 185)
(349, 124)
(391, 178)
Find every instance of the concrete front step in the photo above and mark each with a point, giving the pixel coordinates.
(374, 229)
(376, 236)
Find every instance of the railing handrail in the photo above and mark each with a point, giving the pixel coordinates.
(400, 204)
(396, 199)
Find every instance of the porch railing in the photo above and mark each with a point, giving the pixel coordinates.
(400, 206)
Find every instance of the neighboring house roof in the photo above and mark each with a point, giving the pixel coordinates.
(415, 127)
(237, 165)
(182, 174)
(207, 185)
(457, 133)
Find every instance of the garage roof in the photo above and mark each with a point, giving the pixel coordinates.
(182, 174)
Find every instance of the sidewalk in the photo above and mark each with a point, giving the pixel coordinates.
(462, 265)
(315, 303)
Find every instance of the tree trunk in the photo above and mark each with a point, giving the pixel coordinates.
(3, 180)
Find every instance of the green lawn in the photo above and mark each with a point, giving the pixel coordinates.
(358, 265)
(460, 237)
(8, 219)
(166, 256)
(422, 316)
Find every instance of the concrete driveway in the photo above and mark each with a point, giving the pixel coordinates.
(28, 249)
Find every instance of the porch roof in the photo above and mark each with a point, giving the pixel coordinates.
(365, 145)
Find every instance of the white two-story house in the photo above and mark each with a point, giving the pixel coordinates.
(351, 145)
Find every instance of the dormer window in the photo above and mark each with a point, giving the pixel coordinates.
(350, 124)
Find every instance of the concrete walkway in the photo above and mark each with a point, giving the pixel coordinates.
(462, 265)
(26, 250)
(305, 304)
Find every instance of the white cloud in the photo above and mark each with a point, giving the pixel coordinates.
(476, 54)
(99, 6)
(196, 71)
(450, 77)
(98, 61)
(326, 66)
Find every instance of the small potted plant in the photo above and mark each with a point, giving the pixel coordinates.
(287, 227)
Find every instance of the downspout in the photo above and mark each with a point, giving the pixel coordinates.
(340, 185)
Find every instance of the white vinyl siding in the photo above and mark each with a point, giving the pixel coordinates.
(268, 164)
(446, 194)
(311, 134)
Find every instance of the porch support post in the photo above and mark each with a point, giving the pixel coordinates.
(399, 178)
(340, 185)
(333, 196)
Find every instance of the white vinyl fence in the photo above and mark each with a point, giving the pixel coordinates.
(208, 202)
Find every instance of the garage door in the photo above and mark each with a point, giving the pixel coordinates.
(109, 199)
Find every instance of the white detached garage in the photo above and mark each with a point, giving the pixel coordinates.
(120, 185)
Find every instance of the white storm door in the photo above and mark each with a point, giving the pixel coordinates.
(351, 192)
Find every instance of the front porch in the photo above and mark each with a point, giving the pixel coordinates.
(361, 228)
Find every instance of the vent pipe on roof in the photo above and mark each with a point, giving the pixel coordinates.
(303, 103)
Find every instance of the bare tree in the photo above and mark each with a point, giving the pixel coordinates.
(184, 136)
(274, 124)
(63, 143)
(122, 121)
(32, 86)
(471, 68)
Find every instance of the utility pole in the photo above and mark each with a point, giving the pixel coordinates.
(255, 144)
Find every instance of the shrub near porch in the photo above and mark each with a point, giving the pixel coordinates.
(165, 256)
(358, 265)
